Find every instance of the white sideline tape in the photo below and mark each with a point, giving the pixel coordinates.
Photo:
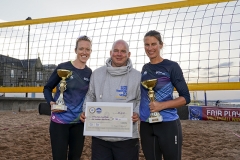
(235, 134)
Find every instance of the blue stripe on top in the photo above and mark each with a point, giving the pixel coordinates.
(168, 75)
(74, 95)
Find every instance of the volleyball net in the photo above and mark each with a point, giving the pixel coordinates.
(202, 36)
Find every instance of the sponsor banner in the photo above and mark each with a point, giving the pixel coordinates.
(214, 113)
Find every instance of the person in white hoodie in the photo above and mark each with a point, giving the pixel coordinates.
(117, 81)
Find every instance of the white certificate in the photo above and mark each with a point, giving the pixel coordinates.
(108, 119)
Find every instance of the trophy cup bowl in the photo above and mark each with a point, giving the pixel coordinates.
(150, 84)
(63, 73)
(60, 104)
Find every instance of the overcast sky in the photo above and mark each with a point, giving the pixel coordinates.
(15, 10)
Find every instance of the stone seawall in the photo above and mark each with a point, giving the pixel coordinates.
(18, 104)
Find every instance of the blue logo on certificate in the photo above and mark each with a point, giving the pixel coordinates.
(98, 110)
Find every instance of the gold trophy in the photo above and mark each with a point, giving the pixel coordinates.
(60, 105)
(150, 84)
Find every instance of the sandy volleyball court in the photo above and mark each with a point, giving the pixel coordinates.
(25, 136)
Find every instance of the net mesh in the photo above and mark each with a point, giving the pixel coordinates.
(203, 39)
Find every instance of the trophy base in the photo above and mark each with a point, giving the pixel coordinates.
(155, 119)
(59, 107)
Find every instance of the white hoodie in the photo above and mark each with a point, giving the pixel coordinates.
(115, 84)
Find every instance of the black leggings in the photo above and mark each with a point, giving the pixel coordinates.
(161, 139)
(67, 140)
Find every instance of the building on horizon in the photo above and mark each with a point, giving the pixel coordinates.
(20, 73)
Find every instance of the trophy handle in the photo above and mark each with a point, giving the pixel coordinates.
(150, 84)
(154, 116)
(62, 88)
(60, 99)
(60, 104)
(63, 85)
(151, 95)
(61, 95)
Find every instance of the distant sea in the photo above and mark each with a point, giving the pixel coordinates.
(234, 103)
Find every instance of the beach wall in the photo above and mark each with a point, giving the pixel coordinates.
(18, 104)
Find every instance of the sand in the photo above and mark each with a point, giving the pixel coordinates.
(25, 136)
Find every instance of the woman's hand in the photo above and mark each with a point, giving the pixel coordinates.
(135, 117)
(82, 117)
(156, 106)
(175, 103)
(55, 110)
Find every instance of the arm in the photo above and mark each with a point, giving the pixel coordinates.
(175, 103)
(50, 85)
(179, 83)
